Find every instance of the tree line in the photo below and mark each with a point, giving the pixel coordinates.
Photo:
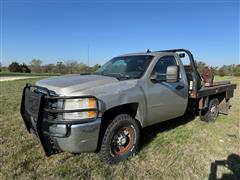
(224, 70)
(37, 66)
(71, 67)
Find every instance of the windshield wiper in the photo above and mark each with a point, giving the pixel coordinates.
(119, 76)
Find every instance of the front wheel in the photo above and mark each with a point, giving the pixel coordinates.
(121, 139)
(211, 113)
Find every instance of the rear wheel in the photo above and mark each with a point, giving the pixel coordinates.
(211, 113)
(120, 140)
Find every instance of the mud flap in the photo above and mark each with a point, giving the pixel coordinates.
(224, 106)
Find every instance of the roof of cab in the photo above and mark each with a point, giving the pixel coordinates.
(153, 53)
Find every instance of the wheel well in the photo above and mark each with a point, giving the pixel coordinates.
(204, 101)
(130, 109)
(110, 114)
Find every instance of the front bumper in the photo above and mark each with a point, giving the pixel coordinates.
(82, 137)
(41, 117)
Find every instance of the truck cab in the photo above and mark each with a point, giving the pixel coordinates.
(104, 112)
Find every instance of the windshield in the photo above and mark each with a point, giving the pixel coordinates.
(127, 67)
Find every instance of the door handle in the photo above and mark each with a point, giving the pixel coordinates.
(179, 87)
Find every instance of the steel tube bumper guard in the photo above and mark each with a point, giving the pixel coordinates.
(39, 114)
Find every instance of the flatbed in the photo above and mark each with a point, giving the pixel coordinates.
(215, 89)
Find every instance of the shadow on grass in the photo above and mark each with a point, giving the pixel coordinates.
(232, 163)
(150, 132)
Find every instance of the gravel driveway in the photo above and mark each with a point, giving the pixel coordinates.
(11, 78)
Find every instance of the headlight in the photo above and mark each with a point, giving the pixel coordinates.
(84, 103)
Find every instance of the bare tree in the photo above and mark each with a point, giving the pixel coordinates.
(35, 65)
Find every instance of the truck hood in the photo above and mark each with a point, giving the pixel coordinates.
(68, 84)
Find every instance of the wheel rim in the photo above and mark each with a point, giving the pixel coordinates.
(213, 110)
(122, 141)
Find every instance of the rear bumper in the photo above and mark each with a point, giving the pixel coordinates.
(41, 117)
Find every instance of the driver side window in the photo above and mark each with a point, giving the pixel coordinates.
(160, 68)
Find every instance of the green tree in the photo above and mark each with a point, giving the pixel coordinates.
(60, 68)
(83, 68)
(236, 70)
(14, 67)
(200, 66)
(214, 70)
(95, 67)
(25, 68)
(221, 72)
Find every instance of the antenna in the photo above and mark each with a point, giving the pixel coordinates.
(148, 51)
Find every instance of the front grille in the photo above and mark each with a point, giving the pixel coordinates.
(32, 103)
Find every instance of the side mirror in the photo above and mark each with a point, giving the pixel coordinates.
(158, 77)
(172, 74)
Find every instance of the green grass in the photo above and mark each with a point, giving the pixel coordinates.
(178, 149)
(6, 74)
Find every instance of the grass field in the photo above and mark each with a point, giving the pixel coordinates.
(177, 149)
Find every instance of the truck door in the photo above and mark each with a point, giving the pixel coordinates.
(166, 100)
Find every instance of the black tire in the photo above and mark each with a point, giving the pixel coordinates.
(211, 113)
(120, 140)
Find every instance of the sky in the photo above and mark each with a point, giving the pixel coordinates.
(99, 30)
